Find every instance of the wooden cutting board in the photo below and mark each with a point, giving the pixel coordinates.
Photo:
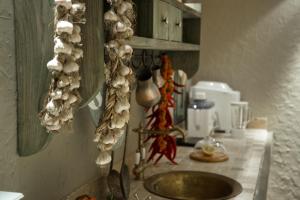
(216, 157)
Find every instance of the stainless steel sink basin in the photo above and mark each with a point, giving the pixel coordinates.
(192, 185)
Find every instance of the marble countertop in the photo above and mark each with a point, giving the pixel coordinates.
(246, 159)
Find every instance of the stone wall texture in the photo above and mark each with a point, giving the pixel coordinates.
(68, 162)
(8, 139)
(254, 46)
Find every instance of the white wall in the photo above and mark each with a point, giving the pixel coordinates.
(254, 45)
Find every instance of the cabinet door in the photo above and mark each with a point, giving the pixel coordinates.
(161, 20)
(175, 27)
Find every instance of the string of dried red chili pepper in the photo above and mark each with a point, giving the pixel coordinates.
(161, 119)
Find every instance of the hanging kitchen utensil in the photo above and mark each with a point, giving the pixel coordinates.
(156, 71)
(119, 183)
(157, 78)
(124, 179)
(147, 93)
(113, 181)
(156, 64)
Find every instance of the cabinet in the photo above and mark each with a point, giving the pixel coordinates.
(169, 26)
(175, 27)
(159, 20)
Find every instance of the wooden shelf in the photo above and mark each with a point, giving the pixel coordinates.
(187, 11)
(191, 1)
(156, 44)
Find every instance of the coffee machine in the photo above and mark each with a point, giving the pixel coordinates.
(222, 95)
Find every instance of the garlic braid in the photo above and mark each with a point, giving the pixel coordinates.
(63, 95)
(118, 21)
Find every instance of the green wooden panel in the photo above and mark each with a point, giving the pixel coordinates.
(150, 16)
(92, 70)
(175, 26)
(192, 30)
(187, 11)
(160, 26)
(34, 48)
(144, 26)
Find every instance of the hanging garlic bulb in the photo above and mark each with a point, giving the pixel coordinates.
(77, 7)
(71, 67)
(125, 115)
(119, 28)
(119, 81)
(124, 70)
(104, 158)
(53, 127)
(125, 6)
(65, 3)
(109, 139)
(63, 93)
(116, 116)
(64, 27)
(118, 133)
(63, 81)
(55, 65)
(56, 94)
(113, 44)
(62, 47)
(105, 147)
(68, 115)
(111, 16)
(77, 53)
(121, 105)
(65, 96)
(117, 122)
(75, 38)
(125, 52)
(125, 89)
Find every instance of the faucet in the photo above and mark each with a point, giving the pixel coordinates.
(140, 159)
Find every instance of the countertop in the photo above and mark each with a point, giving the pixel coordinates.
(248, 164)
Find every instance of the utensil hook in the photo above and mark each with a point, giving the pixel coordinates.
(144, 60)
(153, 57)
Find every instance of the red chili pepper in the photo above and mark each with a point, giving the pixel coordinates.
(161, 118)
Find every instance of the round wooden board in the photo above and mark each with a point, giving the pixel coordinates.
(216, 157)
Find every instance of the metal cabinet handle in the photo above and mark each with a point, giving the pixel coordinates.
(165, 20)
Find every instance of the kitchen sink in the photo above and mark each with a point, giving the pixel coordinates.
(192, 185)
